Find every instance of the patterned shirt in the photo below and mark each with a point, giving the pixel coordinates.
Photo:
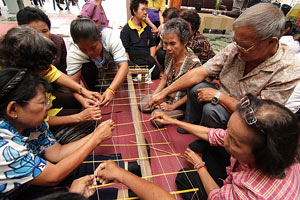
(246, 182)
(21, 155)
(191, 61)
(273, 79)
(201, 47)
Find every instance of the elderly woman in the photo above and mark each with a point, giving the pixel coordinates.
(30, 156)
(179, 60)
(262, 139)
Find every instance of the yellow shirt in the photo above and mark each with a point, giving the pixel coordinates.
(157, 4)
(52, 75)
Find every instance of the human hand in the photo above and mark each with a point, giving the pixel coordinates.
(104, 130)
(192, 157)
(94, 97)
(107, 172)
(83, 186)
(154, 31)
(206, 94)
(162, 118)
(156, 99)
(90, 114)
(165, 106)
(106, 98)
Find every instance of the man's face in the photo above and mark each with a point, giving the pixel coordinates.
(141, 12)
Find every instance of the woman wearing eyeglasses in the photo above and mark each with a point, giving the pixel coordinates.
(29, 153)
(262, 139)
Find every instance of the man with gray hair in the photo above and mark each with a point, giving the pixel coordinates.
(255, 62)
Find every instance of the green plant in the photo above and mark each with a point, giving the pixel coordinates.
(218, 3)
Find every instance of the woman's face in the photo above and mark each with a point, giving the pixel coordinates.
(33, 112)
(238, 139)
(91, 48)
(141, 12)
(172, 45)
(41, 27)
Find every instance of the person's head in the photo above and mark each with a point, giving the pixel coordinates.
(62, 196)
(23, 100)
(35, 18)
(24, 47)
(170, 13)
(254, 31)
(86, 34)
(175, 36)
(192, 18)
(139, 9)
(288, 28)
(263, 133)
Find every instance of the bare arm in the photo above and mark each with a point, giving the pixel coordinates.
(179, 103)
(152, 51)
(109, 171)
(154, 28)
(162, 84)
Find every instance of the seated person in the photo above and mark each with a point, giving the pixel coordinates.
(168, 14)
(255, 62)
(94, 52)
(93, 10)
(197, 42)
(138, 39)
(24, 47)
(262, 139)
(179, 60)
(288, 37)
(31, 159)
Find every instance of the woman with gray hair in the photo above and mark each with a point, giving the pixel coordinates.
(179, 60)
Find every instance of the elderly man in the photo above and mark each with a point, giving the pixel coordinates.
(255, 62)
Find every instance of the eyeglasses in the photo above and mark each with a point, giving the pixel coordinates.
(46, 103)
(243, 48)
(249, 114)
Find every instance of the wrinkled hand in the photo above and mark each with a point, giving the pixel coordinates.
(104, 130)
(206, 94)
(90, 114)
(108, 172)
(93, 96)
(165, 106)
(106, 98)
(156, 99)
(154, 31)
(83, 186)
(163, 118)
(192, 157)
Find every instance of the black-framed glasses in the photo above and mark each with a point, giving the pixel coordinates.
(249, 113)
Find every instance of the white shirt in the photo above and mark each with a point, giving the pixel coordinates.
(293, 44)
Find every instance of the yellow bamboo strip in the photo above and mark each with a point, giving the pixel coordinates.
(131, 97)
(161, 129)
(125, 145)
(128, 104)
(156, 175)
(128, 159)
(133, 90)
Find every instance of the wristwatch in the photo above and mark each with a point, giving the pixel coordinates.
(215, 99)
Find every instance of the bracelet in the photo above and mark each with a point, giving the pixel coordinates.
(111, 90)
(80, 90)
(200, 166)
(199, 163)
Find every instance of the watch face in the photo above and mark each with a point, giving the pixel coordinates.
(214, 100)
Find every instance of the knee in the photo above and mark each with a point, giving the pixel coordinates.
(182, 178)
(203, 84)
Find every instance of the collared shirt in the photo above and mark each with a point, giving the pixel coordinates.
(246, 182)
(191, 61)
(201, 47)
(92, 11)
(273, 79)
(134, 40)
(21, 154)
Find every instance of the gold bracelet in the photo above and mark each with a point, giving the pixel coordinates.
(111, 90)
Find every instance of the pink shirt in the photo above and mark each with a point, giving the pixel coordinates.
(245, 182)
(91, 10)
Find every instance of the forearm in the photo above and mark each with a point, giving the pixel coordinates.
(63, 120)
(68, 82)
(207, 181)
(229, 103)
(179, 103)
(79, 98)
(162, 84)
(142, 188)
(188, 80)
(148, 21)
(152, 51)
(120, 76)
(197, 130)
(161, 19)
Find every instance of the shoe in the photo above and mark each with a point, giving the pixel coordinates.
(182, 131)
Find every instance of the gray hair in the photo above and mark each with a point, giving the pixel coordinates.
(267, 19)
(177, 26)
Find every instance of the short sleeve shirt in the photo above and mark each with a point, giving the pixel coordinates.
(21, 155)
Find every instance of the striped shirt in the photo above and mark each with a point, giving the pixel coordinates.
(245, 182)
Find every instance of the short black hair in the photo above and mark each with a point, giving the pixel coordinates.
(19, 85)
(24, 47)
(30, 14)
(275, 148)
(134, 5)
(191, 17)
(171, 13)
(84, 29)
(62, 196)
